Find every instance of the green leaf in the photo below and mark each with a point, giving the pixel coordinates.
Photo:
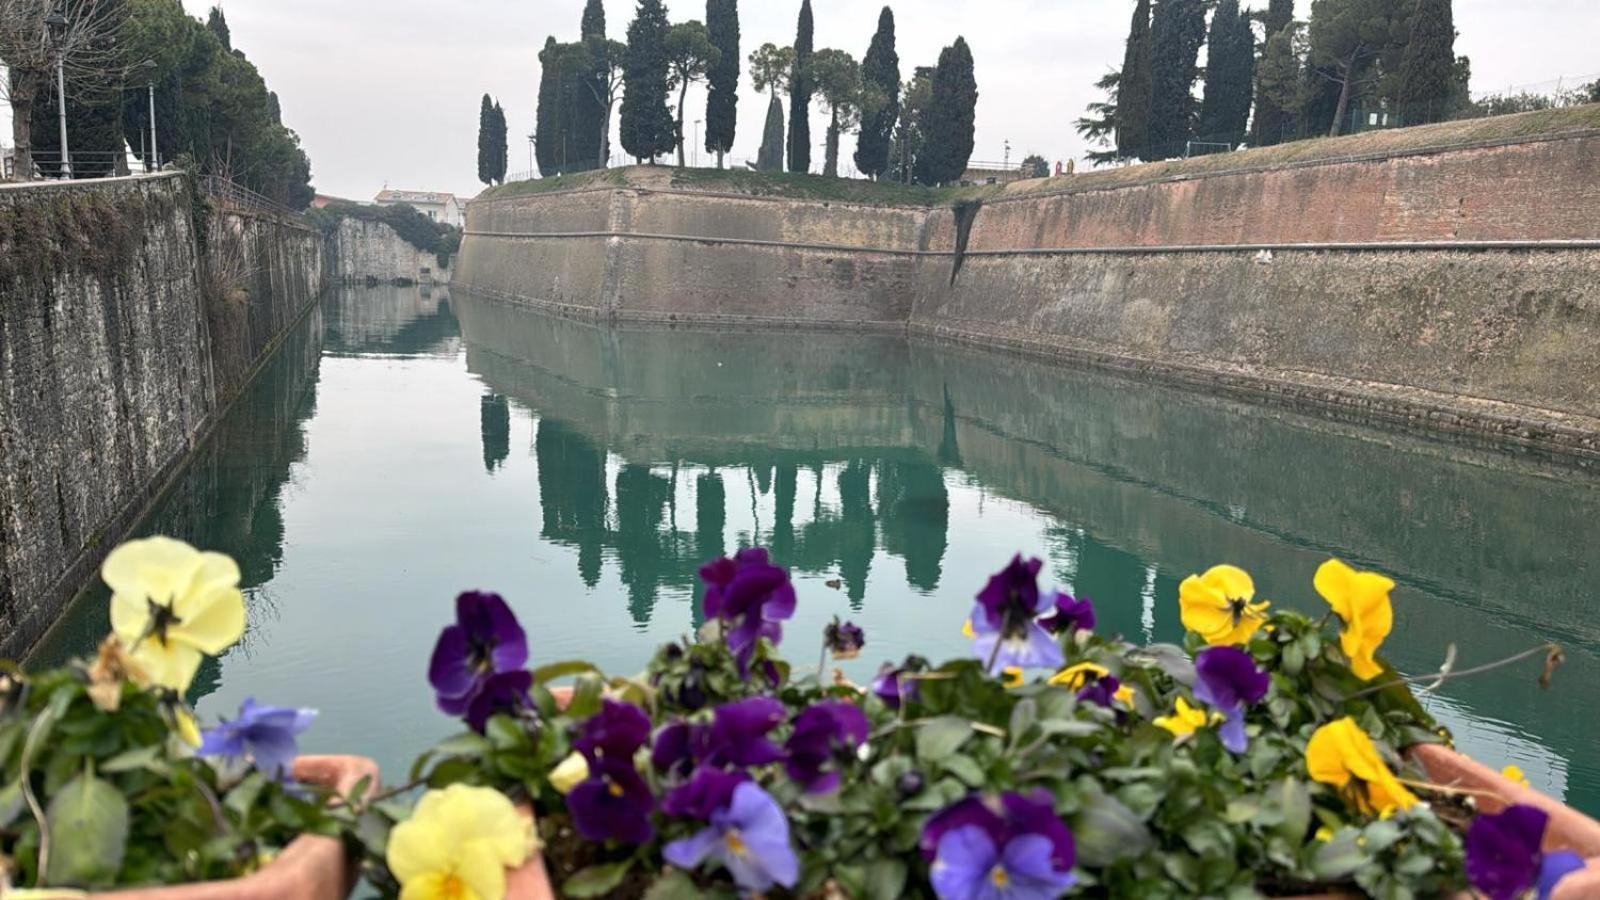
(11, 803)
(940, 738)
(243, 797)
(1294, 801)
(555, 671)
(506, 733)
(1023, 715)
(1107, 831)
(586, 697)
(885, 879)
(468, 744)
(967, 769)
(597, 881)
(137, 758)
(1340, 857)
(1381, 835)
(1069, 727)
(88, 833)
(674, 885)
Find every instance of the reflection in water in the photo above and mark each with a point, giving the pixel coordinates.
(445, 443)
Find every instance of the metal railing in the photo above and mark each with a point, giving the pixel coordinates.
(230, 195)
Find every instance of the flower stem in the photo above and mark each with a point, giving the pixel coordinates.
(1438, 677)
(1445, 789)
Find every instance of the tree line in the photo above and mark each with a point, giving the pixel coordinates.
(211, 103)
(919, 130)
(1270, 78)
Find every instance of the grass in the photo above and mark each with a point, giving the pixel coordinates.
(876, 193)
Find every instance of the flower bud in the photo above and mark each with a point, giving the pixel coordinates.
(572, 771)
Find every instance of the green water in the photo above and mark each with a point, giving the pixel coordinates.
(406, 445)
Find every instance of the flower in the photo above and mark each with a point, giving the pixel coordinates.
(750, 596)
(1184, 721)
(1362, 600)
(893, 687)
(1005, 621)
(618, 730)
(485, 641)
(749, 837)
(1220, 606)
(844, 641)
(707, 790)
(1012, 677)
(184, 725)
(736, 736)
(458, 844)
(613, 803)
(113, 666)
(1341, 754)
(1228, 680)
(172, 605)
(503, 692)
(572, 770)
(1504, 859)
(821, 733)
(1071, 616)
(1515, 774)
(1014, 848)
(266, 734)
(1093, 683)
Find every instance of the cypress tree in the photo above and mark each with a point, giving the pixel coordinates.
(218, 23)
(547, 119)
(1230, 76)
(588, 106)
(1177, 30)
(948, 126)
(800, 91)
(1278, 63)
(647, 125)
(722, 99)
(486, 159)
(771, 157)
(1132, 115)
(499, 147)
(1427, 78)
(880, 80)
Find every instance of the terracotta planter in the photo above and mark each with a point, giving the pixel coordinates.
(310, 868)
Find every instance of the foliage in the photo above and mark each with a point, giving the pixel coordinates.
(492, 142)
(591, 101)
(564, 141)
(1230, 76)
(908, 135)
(770, 68)
(1177, 30)
(413, 226)
(722, 97)
(1099, 126)
(880, 99)
(770, 156)
(217, 24)
(1278, 76)
(94, 120)
(1036, 166)
(949, 126)
(690, 57)
(1127, 117)
(801, 87)
(838, 79)
(647, 126)
(1427, 74)
(1347, 37)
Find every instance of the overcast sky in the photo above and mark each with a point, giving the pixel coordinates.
(387, 91)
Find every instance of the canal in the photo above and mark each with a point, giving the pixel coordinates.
(406, 444)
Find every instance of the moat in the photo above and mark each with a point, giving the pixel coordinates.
(407, 443)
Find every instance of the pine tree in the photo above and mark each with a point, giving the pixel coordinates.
(1230, 76)
(770, 158)
(1427, 79)
(880, 82)
(1279, 66)
(647, 126)
(722, 99)
(690, 56)
(801, 88)
(1132, 113)
(218, 23)
(949, 124)
(1347, 37)
(838, 79)
(486, 158)
(1177, 30)
(589, 115)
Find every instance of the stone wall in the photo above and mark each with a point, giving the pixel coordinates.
(114, 363)
(364, 251)
(1453, 289)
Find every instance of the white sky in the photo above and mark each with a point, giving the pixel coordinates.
(387, 91)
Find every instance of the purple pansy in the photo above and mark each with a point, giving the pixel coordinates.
(845, 640)
(501, 693)
(1504, 859)
(266, 734)
(821, 733)
(1015, 848)
(1005, 621)
(1100, 691)
(750, 596)
(1071, 615)
(707, 790)
(1228, 680)
(749, 837)
(616, 731)
(613, 804)
(892, 687)
(485, 641)
(736, 736)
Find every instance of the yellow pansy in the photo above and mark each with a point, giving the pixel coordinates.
(1011, 677)
(1515, 773)
(966, 630)
(1078, 677)
(572, 770)
(1220, 606)
(1342, 755)
(1124, 695)
(184, 724)
(1186, 720)
(1362, 600)
(172, 605)
(458, 844)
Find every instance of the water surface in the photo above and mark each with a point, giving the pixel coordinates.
(407, 444)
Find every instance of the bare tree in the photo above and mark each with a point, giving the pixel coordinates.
(85, 46)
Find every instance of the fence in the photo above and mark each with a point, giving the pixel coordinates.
(230, 195)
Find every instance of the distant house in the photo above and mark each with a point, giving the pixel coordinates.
(439, 207)
(323, 201)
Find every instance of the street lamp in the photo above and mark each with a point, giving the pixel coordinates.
(532, 171)
(697, 143)
(153, 161)
(56, 24)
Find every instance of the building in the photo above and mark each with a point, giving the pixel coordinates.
(439, 207)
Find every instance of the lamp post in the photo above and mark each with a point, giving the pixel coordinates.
(532, 172)
(56, 23)
(697, 143)
(153, 161)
